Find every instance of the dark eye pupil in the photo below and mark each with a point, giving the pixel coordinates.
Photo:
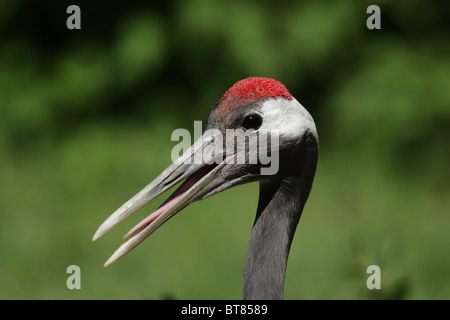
(252, 122)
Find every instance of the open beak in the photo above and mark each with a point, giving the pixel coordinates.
(200, 178)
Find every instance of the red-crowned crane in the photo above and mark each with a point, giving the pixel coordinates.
(255, 106)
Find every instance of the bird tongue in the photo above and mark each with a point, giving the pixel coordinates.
(185, 186)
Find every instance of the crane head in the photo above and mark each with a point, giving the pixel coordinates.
(253, 132)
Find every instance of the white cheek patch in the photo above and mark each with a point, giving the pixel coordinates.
(287, 116)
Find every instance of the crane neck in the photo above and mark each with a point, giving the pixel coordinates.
(281, 202)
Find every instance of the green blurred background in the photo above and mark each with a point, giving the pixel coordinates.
(86, 118)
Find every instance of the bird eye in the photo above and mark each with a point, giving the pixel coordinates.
(252, 121)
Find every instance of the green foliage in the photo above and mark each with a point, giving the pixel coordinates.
(86, 117)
